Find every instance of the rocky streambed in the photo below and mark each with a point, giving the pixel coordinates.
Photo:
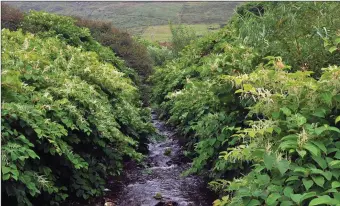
(159, 181)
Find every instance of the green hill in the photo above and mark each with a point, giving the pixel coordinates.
(138, 17)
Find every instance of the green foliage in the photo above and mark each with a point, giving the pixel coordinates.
(49, 25)
(68, 119)
(160, 55)
(291, 30)
(134, 53)
(64, 27)
(262, 124)
(181, 37)
(295, 142)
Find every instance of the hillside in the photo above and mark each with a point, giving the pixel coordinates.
(138, 17)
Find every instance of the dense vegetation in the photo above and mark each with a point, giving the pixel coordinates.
(258, 104)
(72, 30)
(70, 113)
(134, 53)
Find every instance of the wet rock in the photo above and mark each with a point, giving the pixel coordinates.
(167, 152)
(158, 196)
(109, 204)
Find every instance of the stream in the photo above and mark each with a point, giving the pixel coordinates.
(162, 176)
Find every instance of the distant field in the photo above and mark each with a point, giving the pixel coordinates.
(162, 33)
(142, 18)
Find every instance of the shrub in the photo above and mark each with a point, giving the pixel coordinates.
(294, 147)
(294, 31)
(158, 53)
(181, 37)
(49, 25)
(134, 53)
(256, 124)
(11, 18)
(68, 120)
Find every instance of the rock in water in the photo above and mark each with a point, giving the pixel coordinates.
(109, 204)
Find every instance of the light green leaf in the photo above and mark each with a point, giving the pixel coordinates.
(307, 183)
(307, 195)
(6, 176)
(269, 161)
(321, 162)
(335, 184)
(320, 145)
(319, 180)
(322, 200)
(337, 119)
(302, 153)
(303, 170)
(328, 175)
(286, 111)
(332, 49)
(283, 166)
(5, 170)
(335, 164)
(337, 40)
(271, 199)
(247, 87)
(288, 191)
(327, 97)
(292, 178)
(286, 203)
(300, 120)
(251, 134)
(312, 149)
(320, 112)
(254, 202)
(296, 198)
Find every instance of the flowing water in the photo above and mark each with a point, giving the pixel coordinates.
(162, 175)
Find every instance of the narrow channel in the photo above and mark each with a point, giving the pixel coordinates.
(160, 183)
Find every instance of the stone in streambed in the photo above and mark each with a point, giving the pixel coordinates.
(109, 204)
(167, 152)
(158, 196)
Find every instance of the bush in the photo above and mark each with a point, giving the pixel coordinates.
(294, 31)
(159, 54)
(181, 37)
(256, 124)
(49, 25)
(68, 120)
(134, 53)
(296, 140)
(11, 18)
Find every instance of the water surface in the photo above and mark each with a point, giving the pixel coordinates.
(162, 175)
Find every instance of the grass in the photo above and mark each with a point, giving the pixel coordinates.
(143, 18)
(162, 33)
